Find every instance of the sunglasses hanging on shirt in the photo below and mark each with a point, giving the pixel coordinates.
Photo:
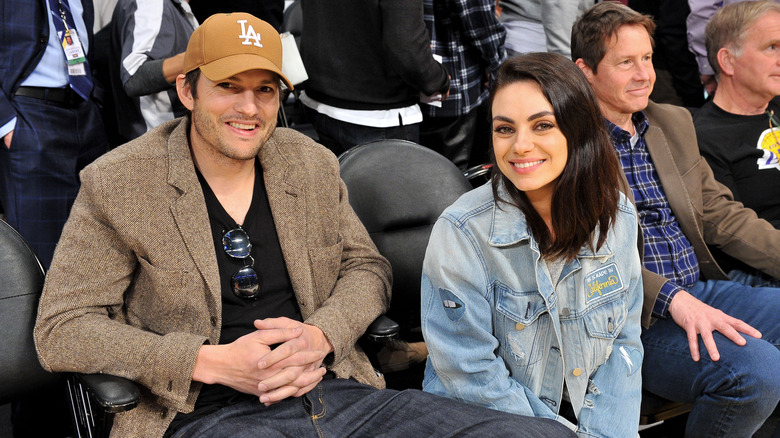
(246, 281)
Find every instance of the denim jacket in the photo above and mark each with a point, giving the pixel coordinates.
(500, 334)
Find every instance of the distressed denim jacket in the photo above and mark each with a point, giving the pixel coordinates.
(500, 334)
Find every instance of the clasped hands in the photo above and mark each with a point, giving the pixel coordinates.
(249, 365)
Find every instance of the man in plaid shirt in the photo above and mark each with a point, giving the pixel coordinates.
(468, 40)
(691, 310)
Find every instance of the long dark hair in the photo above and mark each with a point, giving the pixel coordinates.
(587, 192)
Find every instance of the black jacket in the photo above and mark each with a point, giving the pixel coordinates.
(368, 54)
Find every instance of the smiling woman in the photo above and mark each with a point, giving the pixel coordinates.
(529, 148)
(557, 124)
(531, 290)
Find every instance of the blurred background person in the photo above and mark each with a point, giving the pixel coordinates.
(677, 74)
(701, 12)
(368, 63)
(738, 130)
(270, 11)
(540, 25)
(51, 128)
(468, 39)
(149, 37)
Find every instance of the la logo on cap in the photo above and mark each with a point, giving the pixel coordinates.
(249, 34)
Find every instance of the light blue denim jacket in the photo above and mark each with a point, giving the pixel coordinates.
(501, 335)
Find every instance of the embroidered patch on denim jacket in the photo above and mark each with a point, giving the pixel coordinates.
(602, 281)
(632, 357)
(453, 306)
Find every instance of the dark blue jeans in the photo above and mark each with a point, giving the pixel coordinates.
(735, 395)
(346, 408)
(339, 136)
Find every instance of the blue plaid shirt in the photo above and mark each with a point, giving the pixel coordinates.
(667, 251)
(470, 40)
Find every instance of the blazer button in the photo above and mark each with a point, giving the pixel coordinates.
(577, 372)
(163, 413)
(519, 326)
(213, 321)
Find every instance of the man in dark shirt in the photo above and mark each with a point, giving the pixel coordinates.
(738, 130)
(368, 63)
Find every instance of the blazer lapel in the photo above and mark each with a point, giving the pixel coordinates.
(673, 183)
(287, 199)
(189, 212)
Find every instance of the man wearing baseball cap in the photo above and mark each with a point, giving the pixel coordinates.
(216, 262)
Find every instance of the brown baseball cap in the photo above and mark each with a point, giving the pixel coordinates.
(228, 44)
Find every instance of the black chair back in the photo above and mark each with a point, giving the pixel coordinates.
(21, 282)
(398, 189)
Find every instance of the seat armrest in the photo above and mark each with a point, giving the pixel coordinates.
(383, 329)
(478, 175)
(114, 394)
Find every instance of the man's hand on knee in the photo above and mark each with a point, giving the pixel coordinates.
(698, 318)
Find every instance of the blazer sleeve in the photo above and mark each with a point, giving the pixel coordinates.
(705, 209)
(735, 229)
(82, 323)
(363, 281)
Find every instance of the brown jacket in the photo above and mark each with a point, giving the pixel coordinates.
(134, 286)
(705, 208)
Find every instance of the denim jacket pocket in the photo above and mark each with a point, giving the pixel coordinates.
(522, 321)
(603, 324)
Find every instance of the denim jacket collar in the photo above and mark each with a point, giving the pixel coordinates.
(509, 227)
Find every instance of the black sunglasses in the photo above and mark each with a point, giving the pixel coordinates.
(245, 282)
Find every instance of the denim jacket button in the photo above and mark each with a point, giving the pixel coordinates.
(577, 372)
(519, 326)
(565, 311)
(610, 327)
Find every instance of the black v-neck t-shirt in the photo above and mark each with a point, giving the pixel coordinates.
(276, 298)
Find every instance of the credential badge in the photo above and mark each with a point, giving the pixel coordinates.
(248, 33)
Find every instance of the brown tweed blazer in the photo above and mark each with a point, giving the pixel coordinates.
(134, 286)
(705, 208)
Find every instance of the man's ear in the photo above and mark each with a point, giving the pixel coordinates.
(184, 90)
(726, 61)
(585, 69)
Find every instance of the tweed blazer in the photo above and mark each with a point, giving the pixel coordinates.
(705, 208)
(134, 287)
